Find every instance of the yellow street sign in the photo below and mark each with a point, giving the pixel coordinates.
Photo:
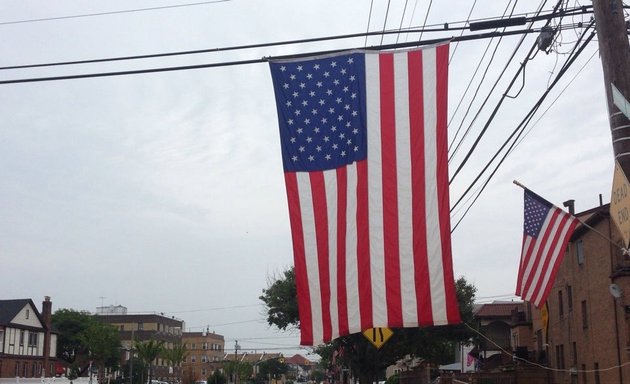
(620, 203)
(378, 336)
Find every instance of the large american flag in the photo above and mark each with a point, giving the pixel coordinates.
(546, 231)
(364, 148)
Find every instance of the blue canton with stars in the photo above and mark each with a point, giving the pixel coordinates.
(536, 210)
(321, 111)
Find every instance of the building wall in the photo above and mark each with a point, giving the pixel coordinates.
(205, 351)
(588, 327)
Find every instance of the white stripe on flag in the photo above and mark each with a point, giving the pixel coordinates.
(352, 268)
(375, 191)
(330, 179)
(434, 239)
(403, 165)
(310, 251)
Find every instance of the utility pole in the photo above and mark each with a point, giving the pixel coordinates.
(612, 34)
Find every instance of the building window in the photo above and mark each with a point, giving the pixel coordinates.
(569, 298)
(560, 304)
(579, 250)
(203, 372)
(193, 346)
(193, 359)
(584, 375)
(140, 326)
(596, 368)
(17, 369)
(560, 356)
(21, 338)
(28, 313)
(32, 339)
(584, 315)
(574, 353)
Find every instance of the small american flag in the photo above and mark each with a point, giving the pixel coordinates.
(364, 148)
(546, 232)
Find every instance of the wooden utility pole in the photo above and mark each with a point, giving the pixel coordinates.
(614, 50)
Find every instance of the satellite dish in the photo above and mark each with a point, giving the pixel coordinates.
(615, 291)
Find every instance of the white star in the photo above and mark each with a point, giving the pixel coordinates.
(316, 66)
(322, 101)
(297, 112)
(295, 94)
(335, 146)
(350, 60)
(294, 158)
(299, 68)
(343, 153)
(354, 96)
(302, 85)
(314, 111)
(319, 84)
(290, 121)
(326, 74)
(292, 77)
(331, 110)
(283, 68)
(309, 139)
(289, 103)
(307, 121)
(311, 158)
(336, 82)
(343, 71)
(333, 64)
(316, 130)
(339, 100)
(356, 148)
(302, 149)
(324, 120)
(329, 92)
(318, 148)
(340, 117)
(354, 113)
(346, 89)
(342, 135)
(352, 78)
(327, 157)
(311, 93)
(355, 131)
(309, 76)
(285, 86)
(300, 130)
(293, 140)
(326, 139)
(304, 103)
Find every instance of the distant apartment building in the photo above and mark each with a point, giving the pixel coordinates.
(205, 351)
(585, 334)
(28, 345)
(144, 327)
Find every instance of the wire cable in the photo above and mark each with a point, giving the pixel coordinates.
(426, 17)
(112, 12)
(518, 131)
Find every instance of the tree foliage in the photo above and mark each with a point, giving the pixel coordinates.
(148, 351)
(280, 299)
(83, 338)
(435, 344)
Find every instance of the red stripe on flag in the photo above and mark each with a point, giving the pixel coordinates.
(546, 266)
(320, 209)
(390, 192)
(342, 225)
(363, 247)
(452, 310)
(301, 276)
(416, 117)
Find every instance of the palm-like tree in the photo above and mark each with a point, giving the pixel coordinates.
(148, 351)
(176, 356)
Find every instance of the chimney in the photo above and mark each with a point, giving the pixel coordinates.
(47, 315)
(571, 205)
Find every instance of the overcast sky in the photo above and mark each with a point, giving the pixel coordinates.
(164, 192)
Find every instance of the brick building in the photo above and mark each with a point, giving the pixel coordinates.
(588, 335)
(144, 327)
(27, 344)
(205, 351)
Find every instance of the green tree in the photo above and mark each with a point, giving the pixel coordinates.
(272, 369)
(103, 343)
(280, 299)
(83, 338)
(435, 344)
(148, 351)
(217, 378)
(175, 356)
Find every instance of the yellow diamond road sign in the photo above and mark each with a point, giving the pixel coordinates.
(378, 336)
(620, 203)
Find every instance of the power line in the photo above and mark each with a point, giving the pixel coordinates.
(518, 131)
(430, 28)
(112, 12)
(255, 61)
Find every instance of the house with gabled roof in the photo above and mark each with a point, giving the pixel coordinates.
(27, 343)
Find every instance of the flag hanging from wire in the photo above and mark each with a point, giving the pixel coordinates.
(364, 149)
(546, 232)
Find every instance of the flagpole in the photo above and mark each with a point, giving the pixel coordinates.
(624, 250)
